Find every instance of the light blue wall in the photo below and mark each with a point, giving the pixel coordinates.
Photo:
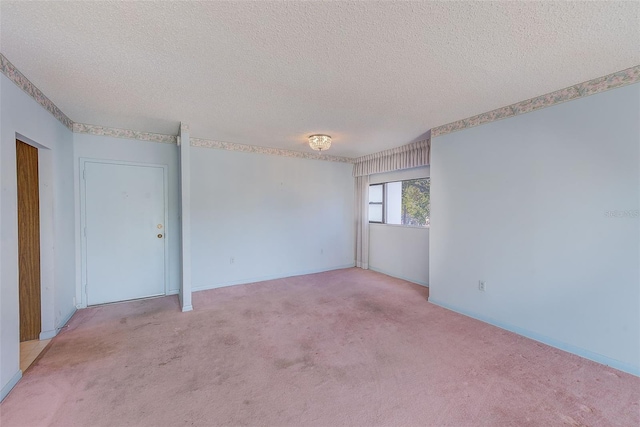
(275, 216)
(20, 114)
(400, 251)
(525, 204)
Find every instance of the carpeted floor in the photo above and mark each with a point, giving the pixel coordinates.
(346, 347)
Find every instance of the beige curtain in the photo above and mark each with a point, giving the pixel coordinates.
(404, 157)
(362, 222)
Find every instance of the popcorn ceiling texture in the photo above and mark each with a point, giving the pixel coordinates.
(22, 82)
(621, 78)
(374, 75)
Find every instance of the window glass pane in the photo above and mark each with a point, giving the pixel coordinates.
(415, 202)
(394, 202)
(375, 213)
(375, 193)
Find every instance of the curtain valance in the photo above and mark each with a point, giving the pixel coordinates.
(404, 157)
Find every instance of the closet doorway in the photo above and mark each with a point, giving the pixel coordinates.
(28, 202)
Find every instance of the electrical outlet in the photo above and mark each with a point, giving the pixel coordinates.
(232, 260)
(321, 251)
(482, 286)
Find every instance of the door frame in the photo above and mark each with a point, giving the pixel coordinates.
(83, 218)
(29, 293)
(49, 328)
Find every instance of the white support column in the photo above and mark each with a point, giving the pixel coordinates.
(184, 150)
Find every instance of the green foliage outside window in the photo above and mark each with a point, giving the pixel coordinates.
(415, 202)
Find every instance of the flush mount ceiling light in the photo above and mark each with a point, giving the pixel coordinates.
(320, 142)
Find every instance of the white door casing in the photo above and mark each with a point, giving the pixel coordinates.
(124, 236)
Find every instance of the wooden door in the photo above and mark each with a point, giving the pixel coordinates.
(28, 241)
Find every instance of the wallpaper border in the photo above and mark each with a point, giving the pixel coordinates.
(590, 87)
(124, 133)
(580, 90)
(13, 74)
(232, 146)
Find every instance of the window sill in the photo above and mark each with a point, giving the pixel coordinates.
(420, 227)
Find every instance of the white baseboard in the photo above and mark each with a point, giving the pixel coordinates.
(270, 277)
(66, 319)
(569, 348)
(10, 385)
(408, 279)
(46, 335)
(187, 308)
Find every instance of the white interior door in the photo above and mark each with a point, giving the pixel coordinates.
(124, 231)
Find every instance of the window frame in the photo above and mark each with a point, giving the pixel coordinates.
(383, 203)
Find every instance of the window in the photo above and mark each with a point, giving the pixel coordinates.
(400, 202)
(376, 203)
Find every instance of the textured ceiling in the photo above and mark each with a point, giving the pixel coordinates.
(375, 75)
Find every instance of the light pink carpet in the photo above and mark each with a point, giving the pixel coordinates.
(347, 347)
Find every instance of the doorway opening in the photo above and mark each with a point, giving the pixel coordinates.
(28, 241)
(29, 266)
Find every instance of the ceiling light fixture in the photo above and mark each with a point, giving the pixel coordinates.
(320, 142)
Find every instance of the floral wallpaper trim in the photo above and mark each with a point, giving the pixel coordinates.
(591, 87)
(13, 74)
(124, 133)
(19, 79)
(206, 143)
